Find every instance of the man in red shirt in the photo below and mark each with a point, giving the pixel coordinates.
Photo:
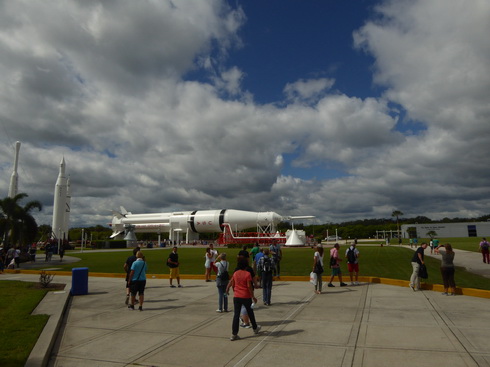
(243, 294)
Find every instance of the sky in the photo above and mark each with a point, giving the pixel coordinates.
(341, 109)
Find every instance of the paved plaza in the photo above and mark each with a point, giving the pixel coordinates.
(366, 325)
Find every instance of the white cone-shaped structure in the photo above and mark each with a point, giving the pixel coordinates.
(294, 239)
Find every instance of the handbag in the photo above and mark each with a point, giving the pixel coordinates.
(423, 272)
(313, 278)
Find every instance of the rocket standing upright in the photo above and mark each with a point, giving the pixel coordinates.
(14, 179)
(61, 205)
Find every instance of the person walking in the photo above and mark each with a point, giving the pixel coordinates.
(417, 262)
(318, 268)
(127, 268)
(243, 294)
(173, 264)
(266, 265)
(447, 268)
(352, 255)
(137, 278)
(485, 250)
(276, 252)
(222, 280)
(335, 265)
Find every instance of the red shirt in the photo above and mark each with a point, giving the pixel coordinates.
(241, 279)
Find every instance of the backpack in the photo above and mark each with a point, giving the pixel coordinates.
(267, 265)
(351, 256)
(223, 273)
(485, 245)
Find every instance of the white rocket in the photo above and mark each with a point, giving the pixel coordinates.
(14, 179)
(198, 221)
(61, 205)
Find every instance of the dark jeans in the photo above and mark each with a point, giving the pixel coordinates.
(222, 298)
(448, 277)
(266, 287)
(237, 304)
(486, 257)
(277, 268)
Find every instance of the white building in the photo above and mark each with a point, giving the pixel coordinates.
(465, 229)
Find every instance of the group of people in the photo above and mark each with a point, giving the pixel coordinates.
(243, 283)
(447, 267)
(352, 256)
(257, 268)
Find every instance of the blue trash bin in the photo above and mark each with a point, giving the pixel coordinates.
(79, 281)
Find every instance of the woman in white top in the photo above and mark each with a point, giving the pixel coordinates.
(207, 264)
(318, 268)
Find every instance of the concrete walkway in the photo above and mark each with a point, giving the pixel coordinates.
(366, 325)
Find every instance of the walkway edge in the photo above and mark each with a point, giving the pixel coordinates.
(53, 304)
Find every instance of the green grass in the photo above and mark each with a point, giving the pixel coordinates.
(20, 330)
(464, 243)
(385, 262)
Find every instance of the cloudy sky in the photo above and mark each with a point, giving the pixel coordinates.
(342, 109)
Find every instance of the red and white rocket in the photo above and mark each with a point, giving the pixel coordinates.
(191, 223)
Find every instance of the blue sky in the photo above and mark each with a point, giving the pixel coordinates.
(303, 40)
(344, 109)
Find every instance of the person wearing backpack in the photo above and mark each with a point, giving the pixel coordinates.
(352, 255)
(222, 280)
(335, 265)
(485, 250)
(267, 265)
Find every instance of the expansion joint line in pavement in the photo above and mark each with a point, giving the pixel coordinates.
(359, 319)
(440, 313)
(295, 311)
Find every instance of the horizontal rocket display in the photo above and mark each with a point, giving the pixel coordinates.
(198, 221)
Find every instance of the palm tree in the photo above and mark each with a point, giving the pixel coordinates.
(16, 222)
(397, 213)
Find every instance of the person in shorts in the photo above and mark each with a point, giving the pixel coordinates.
(335, 265)
(352, 256)
(137, 280)
(173, 264)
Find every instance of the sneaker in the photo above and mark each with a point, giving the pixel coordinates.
(181, 286)
(444, 293)
(131, 307)
(352, 283)
(246, 326)
(413, 288)
(357, 283)
(330, 285)
(451, 294)
(257, 329)
(343, 285)
(140, 308)
(172, 286)
(234, 337)
(219, 311)
(127, 300)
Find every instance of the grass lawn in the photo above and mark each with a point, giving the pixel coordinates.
(20, 330)
(385, 262)
(464, 243)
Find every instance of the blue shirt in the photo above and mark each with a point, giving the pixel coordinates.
(258, 256)
(139, 267)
